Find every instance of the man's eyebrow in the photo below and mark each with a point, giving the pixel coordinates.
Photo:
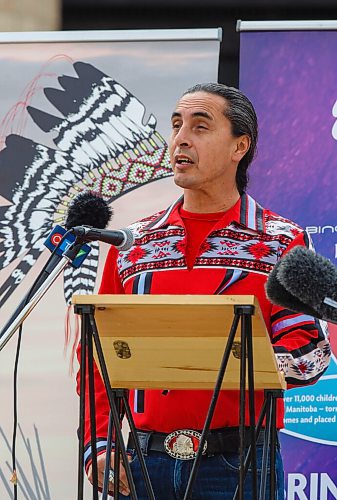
(197, 114)
(202, 114)
(175, 114)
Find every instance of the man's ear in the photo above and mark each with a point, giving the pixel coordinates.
(242, 145)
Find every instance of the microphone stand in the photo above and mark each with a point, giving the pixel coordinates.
(67, 257)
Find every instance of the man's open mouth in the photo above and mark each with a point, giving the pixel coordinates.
(183, 161)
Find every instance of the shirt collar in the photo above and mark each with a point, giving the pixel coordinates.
(246, 212)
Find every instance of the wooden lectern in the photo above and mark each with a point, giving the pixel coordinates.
(182, 342)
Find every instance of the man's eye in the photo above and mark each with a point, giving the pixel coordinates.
(202, 127)
(175, 125)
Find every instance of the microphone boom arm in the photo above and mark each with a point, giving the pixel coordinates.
(68, 256)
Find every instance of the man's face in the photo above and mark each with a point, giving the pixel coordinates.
(204, 153)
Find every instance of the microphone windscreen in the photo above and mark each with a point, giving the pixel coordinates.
(88, 209)
(279, 295)
(309, 276)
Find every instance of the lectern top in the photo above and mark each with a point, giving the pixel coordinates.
(177, 341)
(106, 299)
(169, 315)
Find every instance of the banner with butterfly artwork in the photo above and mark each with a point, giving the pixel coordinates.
(288, 71)
(78, 111)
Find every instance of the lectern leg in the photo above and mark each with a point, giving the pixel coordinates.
(118, 444)
(268, 412)
(273, 444)
(80, 477)
(92, 409)
(107, 459)
(270, 442)
(215, 396)
(112, 403)
(242, 410)
(89, 330)
(266, 448)
(247, 368)
(133, 431)
(252, 414)
(249, 451)
(86, 355)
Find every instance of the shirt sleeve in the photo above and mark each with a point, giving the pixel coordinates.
(300, 341)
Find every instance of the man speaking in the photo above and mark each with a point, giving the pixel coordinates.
(215, 239)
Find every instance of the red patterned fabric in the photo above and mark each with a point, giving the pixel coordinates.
(237, 253)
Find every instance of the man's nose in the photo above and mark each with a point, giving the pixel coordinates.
(182, 138)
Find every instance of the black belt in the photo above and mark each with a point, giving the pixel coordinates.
(218, 441)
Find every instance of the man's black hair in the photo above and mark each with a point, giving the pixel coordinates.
(241, 113)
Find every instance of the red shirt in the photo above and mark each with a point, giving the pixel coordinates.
(218, 254)
(197, 227)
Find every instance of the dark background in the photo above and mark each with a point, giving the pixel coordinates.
(166, 14)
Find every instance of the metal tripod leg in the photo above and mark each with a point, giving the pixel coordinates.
(270, 443)
(107, 459)
(80, 476)
(133, 431)
(246, 373)
(112, 402)
(92, 409)
(223, 366)
(86, 353)
(119, 437)
(246, 313)
(89, 326)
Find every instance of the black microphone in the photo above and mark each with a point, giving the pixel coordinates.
(311, 278)
(85, 208)
(279, 295)
(122, 239)
(88, 209)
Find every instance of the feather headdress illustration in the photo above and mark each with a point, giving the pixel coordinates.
(102, 144)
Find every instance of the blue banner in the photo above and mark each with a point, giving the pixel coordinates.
(291, 78)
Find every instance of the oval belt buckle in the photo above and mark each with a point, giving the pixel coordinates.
(183, 444)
